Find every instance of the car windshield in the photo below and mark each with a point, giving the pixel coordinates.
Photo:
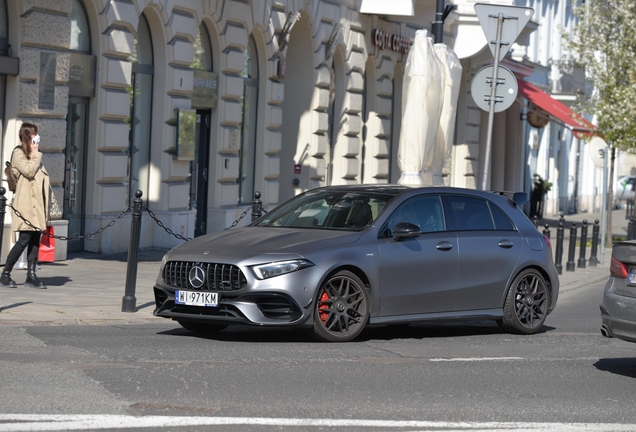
(342, 210)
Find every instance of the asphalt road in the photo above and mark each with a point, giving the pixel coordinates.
(462, 376)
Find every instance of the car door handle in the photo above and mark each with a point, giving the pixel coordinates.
(444, 246)
(507, 244)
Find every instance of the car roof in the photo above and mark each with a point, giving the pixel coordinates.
(394, 189)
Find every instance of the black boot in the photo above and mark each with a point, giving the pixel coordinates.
(32, 280)
(5, 279)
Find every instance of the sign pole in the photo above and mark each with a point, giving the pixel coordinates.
(493, 101)
(604, 211)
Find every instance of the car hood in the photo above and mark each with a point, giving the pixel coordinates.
(247, 242)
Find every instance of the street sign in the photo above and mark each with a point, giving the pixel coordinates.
(598, 147)
(506, 91)
(514, 19)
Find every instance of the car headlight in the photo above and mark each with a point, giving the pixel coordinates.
(265, 271)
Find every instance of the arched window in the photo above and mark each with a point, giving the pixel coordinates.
(202, 50)
(247, 154)
(80, 36)
(141, 114)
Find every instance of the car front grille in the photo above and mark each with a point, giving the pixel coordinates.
(218, 277)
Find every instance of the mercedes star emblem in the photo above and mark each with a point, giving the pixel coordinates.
(196, 277)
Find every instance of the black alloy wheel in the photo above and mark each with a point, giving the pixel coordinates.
(526, 306)
(342, 308)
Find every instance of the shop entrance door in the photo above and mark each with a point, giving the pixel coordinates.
(199, 172)
(74, 171)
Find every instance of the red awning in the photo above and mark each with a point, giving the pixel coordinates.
(556, 109)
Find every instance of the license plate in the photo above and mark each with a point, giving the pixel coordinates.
(196, 298)
(631, 279)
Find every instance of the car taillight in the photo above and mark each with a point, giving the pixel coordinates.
(547, 241)
(618, 269)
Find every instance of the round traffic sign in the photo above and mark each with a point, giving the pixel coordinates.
(506, 92)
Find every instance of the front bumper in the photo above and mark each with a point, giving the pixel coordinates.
(272, 309)
(618, 313)
(281, 301)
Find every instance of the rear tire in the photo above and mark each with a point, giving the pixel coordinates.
(342, 308)
(527, 302)
(201, 328)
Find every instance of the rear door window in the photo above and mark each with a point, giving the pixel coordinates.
(470, 214)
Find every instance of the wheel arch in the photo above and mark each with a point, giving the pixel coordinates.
(353, 269)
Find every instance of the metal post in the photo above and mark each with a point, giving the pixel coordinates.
(257, 206)
(546, 231)
(3, 207)
(581, 263)
(569, 266)
(535, 221)
(493, 96)
(559, 249)
(129, 301)
(438, 24)
(605, 198)
(593, 258)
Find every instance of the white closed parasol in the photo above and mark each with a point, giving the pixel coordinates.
(451, 82)
(421, 109)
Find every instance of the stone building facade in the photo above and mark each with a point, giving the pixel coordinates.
(199, 104)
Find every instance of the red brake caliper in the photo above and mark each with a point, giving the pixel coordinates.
(323, 309)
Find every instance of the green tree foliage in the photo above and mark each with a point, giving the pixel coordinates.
(603, 42)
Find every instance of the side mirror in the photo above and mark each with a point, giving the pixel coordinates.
(405, 230)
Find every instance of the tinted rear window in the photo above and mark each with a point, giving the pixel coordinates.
(470, 213)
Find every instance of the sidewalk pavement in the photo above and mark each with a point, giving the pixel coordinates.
(87, 288)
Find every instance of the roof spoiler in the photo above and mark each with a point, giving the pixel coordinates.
(519, 198)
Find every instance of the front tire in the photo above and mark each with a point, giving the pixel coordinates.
(201, 328)
(342, 308)
(527, 302)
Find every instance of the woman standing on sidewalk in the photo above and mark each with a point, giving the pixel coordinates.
(31, 199)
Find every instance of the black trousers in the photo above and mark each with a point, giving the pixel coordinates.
(29, 240)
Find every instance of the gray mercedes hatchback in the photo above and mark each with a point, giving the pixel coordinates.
(338, 258)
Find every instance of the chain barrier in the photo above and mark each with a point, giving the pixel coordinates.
(166, 229)
(59, 237)
(235, 223)
(121, 215)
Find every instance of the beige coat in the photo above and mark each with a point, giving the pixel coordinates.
(31, 197)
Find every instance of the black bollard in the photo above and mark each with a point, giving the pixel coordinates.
(3, 207)
(570, 266)
(546, 231)
(535, 221)
(257, 206)
(129, 302)
(559, 249)
(593, 258)
(581, 263)
(630, 228)
(562, 219)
